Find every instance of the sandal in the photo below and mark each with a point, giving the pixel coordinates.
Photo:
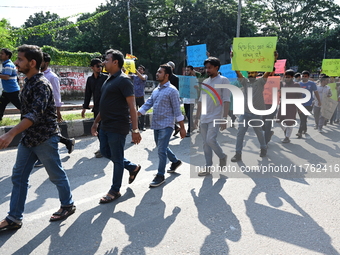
(108, 199)
(11, 225)
(134, 174)
(65, 212)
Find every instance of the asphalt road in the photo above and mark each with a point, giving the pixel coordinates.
(235, 212)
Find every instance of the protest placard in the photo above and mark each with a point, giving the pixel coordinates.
(226, 71)
(272, 82)
(331, 67)
(188, 86)
(328, 107)
(254, 53)
(334, 91)
(280, 66)
(129, 66)
(196, 55)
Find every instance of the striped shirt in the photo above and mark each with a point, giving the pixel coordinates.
(166, 106)
(10, 85)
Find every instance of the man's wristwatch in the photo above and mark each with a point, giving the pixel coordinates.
(135, 131)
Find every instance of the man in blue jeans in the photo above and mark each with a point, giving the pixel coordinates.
(39, 140)
(117, 104)
(166, 108)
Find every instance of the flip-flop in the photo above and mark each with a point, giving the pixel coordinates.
(107, 199)
(134, 174)
(65, 213)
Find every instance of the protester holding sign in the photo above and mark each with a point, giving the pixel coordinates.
(324, 91)
(257, 86)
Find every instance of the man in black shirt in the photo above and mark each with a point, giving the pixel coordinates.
(117, 105)
(93, 89)
(174, 80)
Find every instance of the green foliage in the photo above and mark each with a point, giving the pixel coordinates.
(65, 58)
(6, 40)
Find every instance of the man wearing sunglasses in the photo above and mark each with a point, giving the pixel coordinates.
(93, 89)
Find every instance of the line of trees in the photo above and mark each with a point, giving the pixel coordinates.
(308, 30)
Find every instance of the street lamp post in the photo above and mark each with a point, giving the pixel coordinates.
(130, 34)
(239, 18)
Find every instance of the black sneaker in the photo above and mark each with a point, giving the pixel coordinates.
(174, 166)
(263, 152)
(158, 180)
(237, 157)
(70, 145)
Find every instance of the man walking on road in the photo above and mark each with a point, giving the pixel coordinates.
(39, 140)
(10, 86)
(166, 108)
(117, 103)
(207, 125)
(93, 88)
(54, 80)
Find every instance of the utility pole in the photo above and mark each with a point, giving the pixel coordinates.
(130, 34)
(239, 18)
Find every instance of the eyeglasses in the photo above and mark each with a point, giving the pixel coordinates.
(99, 66)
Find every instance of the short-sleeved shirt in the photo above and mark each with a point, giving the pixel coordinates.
(37, 105)
(113, 107)
(55, 82)
(139, 84)
(10, 85)
(311, 86)
(214, 111)
(258, 87)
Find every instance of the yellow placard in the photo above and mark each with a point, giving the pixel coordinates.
(254, 53)
(130, 66)
(331, 67)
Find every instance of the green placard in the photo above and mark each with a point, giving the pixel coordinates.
(331, 67)
(254, 53)
(334, 91)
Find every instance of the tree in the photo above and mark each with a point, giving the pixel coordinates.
(6, 39)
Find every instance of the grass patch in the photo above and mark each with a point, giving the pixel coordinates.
(66, 117)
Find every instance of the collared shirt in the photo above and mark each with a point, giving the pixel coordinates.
(54, 80)
(324, 91)
(37, 105)
(257, 97)
(139, 84)
(166, 106)
(214, 110)
(10, 85)
(93, 87)
(114, 109)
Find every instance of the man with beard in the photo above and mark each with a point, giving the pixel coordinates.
(208, 128)
(55, 82)
(291, 109)
(258, 102)
(39, 140)
(166, 108)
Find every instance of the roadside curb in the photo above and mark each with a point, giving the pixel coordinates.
(74, 128)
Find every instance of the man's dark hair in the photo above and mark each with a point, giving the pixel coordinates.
(191, 68)
(306, 72)
(143, 67)
(297, 75)
(116, 55)
(7, 52)
(95, 61)
(323, 75)
(290, 72)
(46, 57)
(167, 69)
(213, 61)
(32, 52)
